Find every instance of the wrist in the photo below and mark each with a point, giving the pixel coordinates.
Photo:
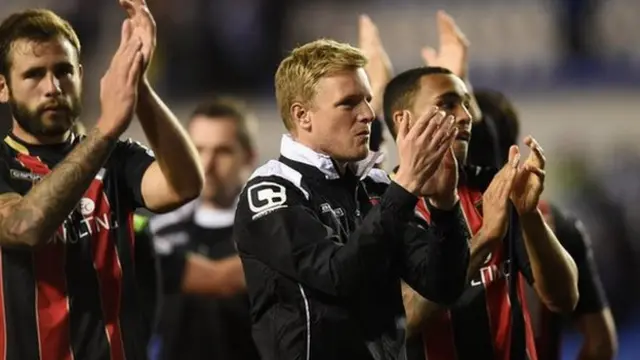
(486, 237)
(407, 182)
(446, 202)
(528, 216)
(108, 131)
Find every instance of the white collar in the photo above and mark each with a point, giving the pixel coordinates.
(296, 151)
(214, 218)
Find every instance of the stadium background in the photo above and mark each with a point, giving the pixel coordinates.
(572, 68)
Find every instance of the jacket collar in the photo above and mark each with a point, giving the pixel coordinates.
(298, 152)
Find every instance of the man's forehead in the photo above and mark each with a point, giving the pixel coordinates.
(208, 129)
(344, 83)
(440, 84)
(24, 51)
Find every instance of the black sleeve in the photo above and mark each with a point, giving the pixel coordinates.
(276, 226)
(436, 260)
(5, 178)
(574, 239)
(135, 158)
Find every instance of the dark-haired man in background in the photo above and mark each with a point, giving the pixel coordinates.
(205, 311)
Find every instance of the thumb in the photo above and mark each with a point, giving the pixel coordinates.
(514, 156)
(128, 6)
(126, 32)
(429, 56)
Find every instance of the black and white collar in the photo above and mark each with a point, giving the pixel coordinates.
(203, 217)
(298, 152)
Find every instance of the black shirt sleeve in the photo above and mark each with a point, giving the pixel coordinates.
(276, 225)
(436, 259)
(573, 237)
(135, 158)
(5, 173)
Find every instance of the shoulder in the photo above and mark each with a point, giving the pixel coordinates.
(271, 187)
(570, 231)
(127, 145)
(278, 175)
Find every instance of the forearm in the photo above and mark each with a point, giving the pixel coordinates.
(175, 154)
(420, 311)
(34, 219)
(599, 334)
(213, 277)
(554, 271)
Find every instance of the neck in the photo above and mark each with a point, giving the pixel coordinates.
(32, 139)
(218, 204)
(341, 166)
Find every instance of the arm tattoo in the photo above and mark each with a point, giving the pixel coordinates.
(36, 217)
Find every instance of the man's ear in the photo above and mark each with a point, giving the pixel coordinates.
(300, 116)
(4, 90)
(397, 119)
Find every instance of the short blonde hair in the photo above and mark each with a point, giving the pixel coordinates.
(299, 73)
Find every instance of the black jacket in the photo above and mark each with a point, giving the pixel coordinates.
(324, 255)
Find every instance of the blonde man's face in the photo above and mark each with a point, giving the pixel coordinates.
(340, 115)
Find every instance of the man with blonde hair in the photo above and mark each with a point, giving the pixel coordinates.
(325, 238)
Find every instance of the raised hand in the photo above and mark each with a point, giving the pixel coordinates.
(119, 85)
(421, 147)
(144, 27)
(453, 50)
(378, 68)
(495, 200)
(529, 182)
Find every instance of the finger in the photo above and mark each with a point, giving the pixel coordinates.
(129, 7)
(136, 68)
(537, 150)
(443, 148)
(448, 29)
(509, 180)
(369, 37)
(125, 33)
(429, 56)
(514, 156)
(540, 173)
(443, 132)
(422, 124)
(127, 56)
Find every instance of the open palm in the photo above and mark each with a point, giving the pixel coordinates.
(529, 181)
(453, 48)
(144, 27)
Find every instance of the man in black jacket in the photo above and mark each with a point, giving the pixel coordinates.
(324, 238)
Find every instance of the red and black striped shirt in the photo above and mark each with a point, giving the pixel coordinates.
(77, 297)
(491, 319)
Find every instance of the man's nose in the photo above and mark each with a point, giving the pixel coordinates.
(52, 84)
